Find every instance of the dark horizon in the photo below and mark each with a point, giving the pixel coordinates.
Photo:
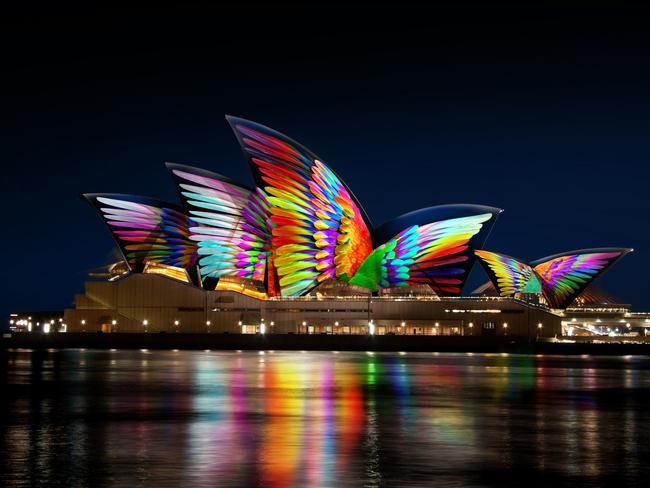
(541, 111)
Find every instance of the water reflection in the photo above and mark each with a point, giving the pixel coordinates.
(169, 418)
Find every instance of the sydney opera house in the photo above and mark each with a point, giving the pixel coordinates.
(297, 254)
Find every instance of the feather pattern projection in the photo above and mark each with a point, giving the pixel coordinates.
(147, 230)
(431, 254)
(565, 276)
(319, 230)
(509, 275)
(231, 227)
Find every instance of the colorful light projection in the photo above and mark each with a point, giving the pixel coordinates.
(146, 229)
(232, 226)
(427, 254)
(565, 275)
(509, 275)
(559, 278)
(320, 231)
(303, 226)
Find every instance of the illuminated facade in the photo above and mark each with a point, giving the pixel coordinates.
(558, 279)
(299, 227)
(300, 233)
(142, 302)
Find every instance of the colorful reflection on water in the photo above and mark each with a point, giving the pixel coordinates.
(280, 419)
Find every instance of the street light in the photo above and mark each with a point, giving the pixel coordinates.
(304, 324)
(145, 322)
(371, 328)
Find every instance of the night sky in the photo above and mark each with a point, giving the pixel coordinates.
(541, 111)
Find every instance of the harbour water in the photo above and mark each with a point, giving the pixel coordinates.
(332, 419)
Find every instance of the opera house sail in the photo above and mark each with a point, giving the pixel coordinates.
(300, 230)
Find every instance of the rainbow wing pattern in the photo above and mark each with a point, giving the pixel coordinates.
(303, 225)
(565, 276)
(509, 275)
(433, 254)
(146, 230)
(319, 229)
(231, 223)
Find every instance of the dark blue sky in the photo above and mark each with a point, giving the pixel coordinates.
(541, 111)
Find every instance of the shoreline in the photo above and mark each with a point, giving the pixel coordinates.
(297, 342)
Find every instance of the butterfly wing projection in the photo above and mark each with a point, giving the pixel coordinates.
(564, 276)
(319, 229)
(146, 230)
(437, 253)
(231, 223)
(510, 276)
